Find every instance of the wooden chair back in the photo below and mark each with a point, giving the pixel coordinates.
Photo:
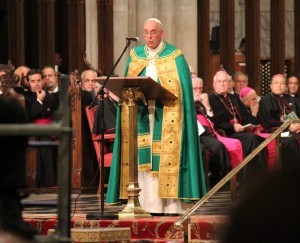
(108, 139)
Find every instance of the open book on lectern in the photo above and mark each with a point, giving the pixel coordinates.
(151, 89)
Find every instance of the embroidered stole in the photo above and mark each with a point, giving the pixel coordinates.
(164, 161)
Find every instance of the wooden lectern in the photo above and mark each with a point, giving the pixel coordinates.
(130, 90)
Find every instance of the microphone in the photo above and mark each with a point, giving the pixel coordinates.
(132, 38)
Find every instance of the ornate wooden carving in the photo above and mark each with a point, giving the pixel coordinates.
(227, 31)
(277, 36)
(9, 80)
(252, 14)
(76, 135)
(105, 35)
(83, 154)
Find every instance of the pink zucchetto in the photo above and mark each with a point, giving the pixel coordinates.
(244, 91)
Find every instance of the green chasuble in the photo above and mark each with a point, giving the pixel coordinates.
(174, 154)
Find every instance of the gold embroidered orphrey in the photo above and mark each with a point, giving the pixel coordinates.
(168, 148)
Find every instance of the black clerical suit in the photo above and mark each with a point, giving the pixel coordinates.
(219, 161)
(46, 156)
(272, 109)
(86, 98)
(110, 113)
(296, 100)
(13, 171)
(225, 109)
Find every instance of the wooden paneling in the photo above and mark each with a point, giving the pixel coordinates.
(296, 68)
(277, 36)
(4, 32)
(16, 40)
(203, 35)
(76, 34)
(105, 35)
(239, 63)
(31, 34)
(61, 33)
(31, 172)
(252, 14)
(46, 32)
(227, 34)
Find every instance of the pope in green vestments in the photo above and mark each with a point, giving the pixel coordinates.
(168, 144)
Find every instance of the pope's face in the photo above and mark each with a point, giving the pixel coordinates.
(153, 33)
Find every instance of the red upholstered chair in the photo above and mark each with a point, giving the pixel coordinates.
(108, 139)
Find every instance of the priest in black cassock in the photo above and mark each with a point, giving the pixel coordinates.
(231, 114)
(274, 108)
(293, 88)
(219, 162)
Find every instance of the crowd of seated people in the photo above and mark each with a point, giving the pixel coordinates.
(232, 106)
(40, 89)
(226, 152)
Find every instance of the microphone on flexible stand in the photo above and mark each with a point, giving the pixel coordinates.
(133, 39)
(128, 41)
(101, 92)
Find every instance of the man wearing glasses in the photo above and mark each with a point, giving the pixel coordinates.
(275, 108)
(231, 114)
(170, 163)
(240, 81)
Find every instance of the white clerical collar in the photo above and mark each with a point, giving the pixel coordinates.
(153, 52)
(55, 90)
(293, 95)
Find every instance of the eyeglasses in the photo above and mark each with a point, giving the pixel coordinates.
(152, 33)
(281, 83)
(197, 88)
(242, 81)
(222, 81)
(49, 76)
